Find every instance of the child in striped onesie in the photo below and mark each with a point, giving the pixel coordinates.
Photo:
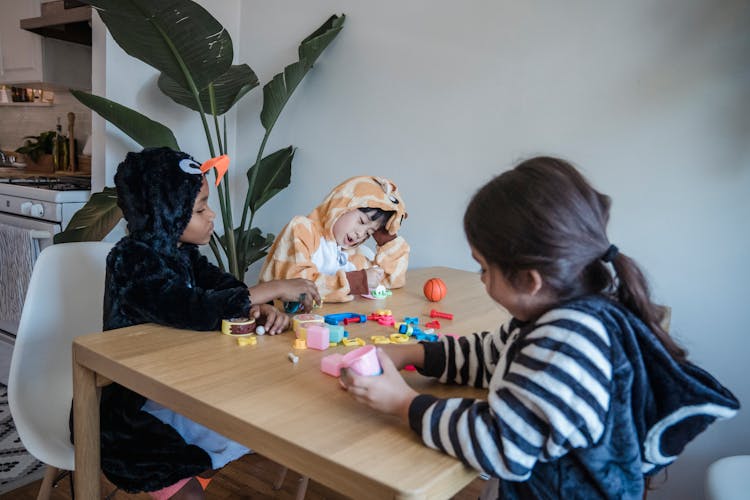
(588, 396)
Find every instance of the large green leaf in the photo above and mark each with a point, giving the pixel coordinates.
(255, 248)
(314, 45)
(95, 220)
(177, 37)
(277, 92)
(138, 127)
(228, 89)
(274, 174)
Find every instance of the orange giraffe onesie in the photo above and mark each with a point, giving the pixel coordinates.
(306, 247)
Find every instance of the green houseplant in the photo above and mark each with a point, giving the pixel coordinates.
(36, 146)
(193, 53)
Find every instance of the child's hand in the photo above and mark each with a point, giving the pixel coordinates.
(388, 393)
(286, 290)
(273, 320)
(374, 276)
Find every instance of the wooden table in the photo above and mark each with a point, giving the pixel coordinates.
(292, 413)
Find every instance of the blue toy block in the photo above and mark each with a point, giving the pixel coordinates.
(336, 333)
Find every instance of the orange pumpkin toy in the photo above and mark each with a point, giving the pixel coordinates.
(435, 289)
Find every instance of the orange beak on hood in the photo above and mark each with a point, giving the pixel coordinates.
(220, 163)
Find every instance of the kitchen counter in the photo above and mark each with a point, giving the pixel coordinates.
(22, 173)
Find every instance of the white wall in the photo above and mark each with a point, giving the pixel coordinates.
(650, 99)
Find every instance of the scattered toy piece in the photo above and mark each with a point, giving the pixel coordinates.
(260, 330)
(356, 341)
(318, 337)
(238, 326)
(293, 357)
(440, 314)
(243, 341)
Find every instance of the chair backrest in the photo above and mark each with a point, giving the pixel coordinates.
(728, 478)
(64, 300)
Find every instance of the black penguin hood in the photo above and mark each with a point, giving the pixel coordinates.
(156, 191)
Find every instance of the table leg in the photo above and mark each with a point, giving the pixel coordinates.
(86, 431)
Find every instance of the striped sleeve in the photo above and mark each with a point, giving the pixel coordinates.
(469, 360)
(549, 393)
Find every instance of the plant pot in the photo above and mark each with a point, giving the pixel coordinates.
(43, 164)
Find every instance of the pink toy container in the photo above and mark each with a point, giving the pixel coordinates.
(362, 361)
(317, 337)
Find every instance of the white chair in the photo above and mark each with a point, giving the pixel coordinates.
(729, 478)
(64, 300)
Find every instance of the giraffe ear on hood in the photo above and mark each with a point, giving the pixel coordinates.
(398, 208)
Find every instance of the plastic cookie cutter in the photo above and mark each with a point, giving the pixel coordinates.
(380, 339)
(362, 361)
(351, 342)
(429, 337)
(386, 321)
(380, 292)
(405, 328)
(238, 327)
(335, 319)
(399, 338)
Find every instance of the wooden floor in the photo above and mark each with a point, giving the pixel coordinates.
(251, 477)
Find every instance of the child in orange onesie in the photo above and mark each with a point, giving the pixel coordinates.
(326, 246)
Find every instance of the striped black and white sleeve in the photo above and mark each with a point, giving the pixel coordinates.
(549, 392)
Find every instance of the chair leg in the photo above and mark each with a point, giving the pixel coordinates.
(490, 489)
(280, 478)
(45, 490)
(302, 487)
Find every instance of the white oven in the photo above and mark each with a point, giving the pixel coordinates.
(43, 205)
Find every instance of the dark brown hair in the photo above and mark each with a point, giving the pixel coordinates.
(544, 215)
(377, 214)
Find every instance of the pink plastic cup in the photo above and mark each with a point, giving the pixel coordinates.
(363, 361)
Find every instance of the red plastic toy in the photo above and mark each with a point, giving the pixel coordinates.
(440, 314)
(435, 289)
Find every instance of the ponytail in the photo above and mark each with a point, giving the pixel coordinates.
(632, 291)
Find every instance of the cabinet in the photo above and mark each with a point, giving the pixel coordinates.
(27, 58)
(20, 50)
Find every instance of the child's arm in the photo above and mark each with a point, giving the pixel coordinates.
(209, 276)
(292, 257)
(153, 292)
(552, 396)
(391, 255)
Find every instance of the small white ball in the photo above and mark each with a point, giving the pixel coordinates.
(260, 330)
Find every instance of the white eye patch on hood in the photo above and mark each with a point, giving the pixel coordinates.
(190, 166)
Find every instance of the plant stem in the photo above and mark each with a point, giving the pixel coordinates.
(214, 243)
(224, 198)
